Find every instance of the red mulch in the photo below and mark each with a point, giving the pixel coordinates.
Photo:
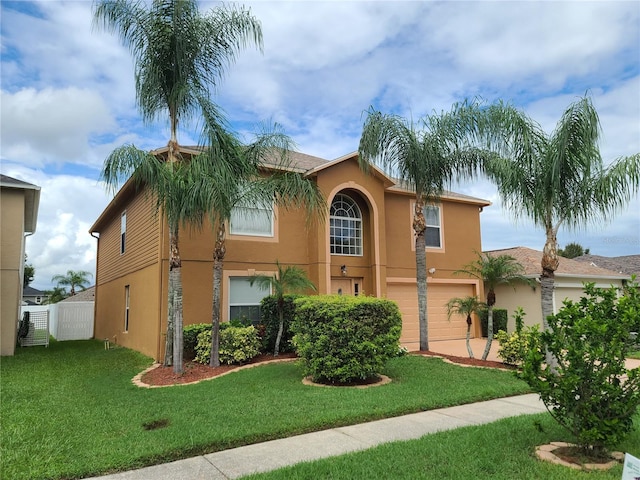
(476, 362)
(193, 371)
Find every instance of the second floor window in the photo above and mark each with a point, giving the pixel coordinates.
(345, 226)
(432, 235)
(252, 220)
(123, 231)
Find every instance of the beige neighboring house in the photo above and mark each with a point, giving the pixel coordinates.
(19, 202)
(569, 280)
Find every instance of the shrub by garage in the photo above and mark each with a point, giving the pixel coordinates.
(344, 340)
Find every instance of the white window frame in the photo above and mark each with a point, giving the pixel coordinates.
(127, 303)
(348, 222)
(438, 226)
(251, 303)
(245, 213)
(123, 232)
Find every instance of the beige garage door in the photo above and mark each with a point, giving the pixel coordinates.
(440, 328)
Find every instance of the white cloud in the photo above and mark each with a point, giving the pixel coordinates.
(51, 125)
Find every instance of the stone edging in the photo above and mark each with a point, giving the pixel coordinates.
(383, 381)
(137, 380)
(545, 452)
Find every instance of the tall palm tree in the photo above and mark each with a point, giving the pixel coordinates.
(558, 179)
(287, 279)
(464, 306)
(232, 176)
(493, 271)
(179, 56)
(73, 279)
(425, 158)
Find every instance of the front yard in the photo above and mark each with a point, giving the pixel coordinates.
(70, 410)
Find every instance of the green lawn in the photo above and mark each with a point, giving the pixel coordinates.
(70, 410)
(634, 355)
(503, 450)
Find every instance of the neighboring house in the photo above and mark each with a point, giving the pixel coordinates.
(19, 202)
(627, 264)
(86, 295)
(569, 280)
(365, 247)
(33, 296)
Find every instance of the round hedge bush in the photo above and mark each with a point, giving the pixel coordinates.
(344, 340)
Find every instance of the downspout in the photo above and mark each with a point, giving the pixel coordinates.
(95, 296)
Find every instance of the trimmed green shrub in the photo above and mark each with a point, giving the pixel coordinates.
(514, 347)
(585, 388)
(271, 321)
(190, 338)
(345, 339)
(499, 320)
(237, 345)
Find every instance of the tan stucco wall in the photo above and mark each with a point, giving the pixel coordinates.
(144, 311)
(529, 298)
(12, 204)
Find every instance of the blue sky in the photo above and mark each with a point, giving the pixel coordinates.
(68, 94)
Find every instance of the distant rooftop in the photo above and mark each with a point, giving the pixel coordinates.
(629, 264)
(531, 261)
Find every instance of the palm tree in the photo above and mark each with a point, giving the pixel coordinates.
(54, 295)
(179, 55)
(232, 176)
(464, 306)
(494, 271)
(424, 160)
(555, 180)
(289, 279)
(73, 279)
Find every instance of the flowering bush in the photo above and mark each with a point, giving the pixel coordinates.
(515, 346)
(587, 388)
(237, 345)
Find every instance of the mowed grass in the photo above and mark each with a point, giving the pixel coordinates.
(503, 450)
(70, 410)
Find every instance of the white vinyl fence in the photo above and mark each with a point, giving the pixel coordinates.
(67, 320)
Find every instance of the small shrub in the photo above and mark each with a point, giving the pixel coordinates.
(585, 388)
(345, 339)
(499, 320)
(237, 345)
(514, 347)
(270, 319)
(190, 338)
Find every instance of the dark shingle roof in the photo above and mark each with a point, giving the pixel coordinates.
(628, 264)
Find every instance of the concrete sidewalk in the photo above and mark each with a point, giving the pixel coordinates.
(263, 457)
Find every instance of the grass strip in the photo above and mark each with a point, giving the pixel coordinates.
(70, 410)
(502, 450)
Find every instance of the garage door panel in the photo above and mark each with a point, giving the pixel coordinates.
(440, 328)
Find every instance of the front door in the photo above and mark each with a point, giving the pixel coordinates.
(346, 286)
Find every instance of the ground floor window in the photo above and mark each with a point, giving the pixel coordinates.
(126, 308)
(244, 299)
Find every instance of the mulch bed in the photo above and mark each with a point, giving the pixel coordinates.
(476, 362)
(194, 372)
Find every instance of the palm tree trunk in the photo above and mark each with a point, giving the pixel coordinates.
(487, 347)
(219, 252)
(280, 329)
(550, 264)
(419, 227)
(469, 351)
(174, 322)
(175, 279)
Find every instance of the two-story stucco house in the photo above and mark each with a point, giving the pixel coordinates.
(364, 247)
(19, 203)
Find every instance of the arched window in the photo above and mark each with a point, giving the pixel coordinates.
(345, 226)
